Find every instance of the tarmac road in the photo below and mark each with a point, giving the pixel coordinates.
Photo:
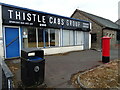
(60, 68)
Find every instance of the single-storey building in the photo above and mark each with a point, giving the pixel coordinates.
(100, 27)
(26, 28)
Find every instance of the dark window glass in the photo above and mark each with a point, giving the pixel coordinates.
(52, 37)
(118, 35)
(94, 38)
(46, 38)
(32, 37)
(40, 38)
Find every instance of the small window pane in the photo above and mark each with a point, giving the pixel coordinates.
(78, 37)
(56, 37)
(75, 34)
(32, 37)
(66, 38)
(46, 38)
(52, 37)
(40, 38)
(71, 37)
(94, 38)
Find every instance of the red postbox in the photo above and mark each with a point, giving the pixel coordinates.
(106, 49)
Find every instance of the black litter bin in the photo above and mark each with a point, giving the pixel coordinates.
(32, 67)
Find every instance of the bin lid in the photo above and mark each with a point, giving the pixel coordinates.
(34, 58)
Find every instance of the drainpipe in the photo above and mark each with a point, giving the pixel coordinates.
(102, 36)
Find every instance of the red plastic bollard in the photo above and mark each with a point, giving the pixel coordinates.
(106, 49)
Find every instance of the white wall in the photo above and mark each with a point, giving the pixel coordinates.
(58, 50)
(1, 34)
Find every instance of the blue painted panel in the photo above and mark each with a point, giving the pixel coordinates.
(12, 42)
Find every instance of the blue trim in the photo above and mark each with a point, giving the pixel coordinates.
(41, 12)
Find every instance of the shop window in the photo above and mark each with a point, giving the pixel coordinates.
(75, 37)
(40, 38)
(32, 37)
(46, 38)
(94, 38)
(57, 37)
(66, 38)
(71, 37)
(79, 37)
(52, 37)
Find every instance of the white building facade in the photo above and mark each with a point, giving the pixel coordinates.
(26, 28)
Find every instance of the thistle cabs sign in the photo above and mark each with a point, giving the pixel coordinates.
(23, 17)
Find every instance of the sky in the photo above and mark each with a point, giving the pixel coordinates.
(104, 8)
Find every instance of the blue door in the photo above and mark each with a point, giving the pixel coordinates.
(12, 42)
